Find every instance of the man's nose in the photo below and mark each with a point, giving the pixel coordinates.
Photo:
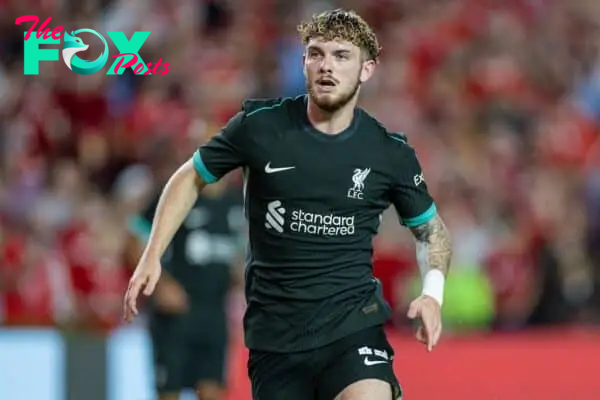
(326, 64)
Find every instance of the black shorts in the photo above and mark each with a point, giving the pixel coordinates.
(322, 373)
(181, 363)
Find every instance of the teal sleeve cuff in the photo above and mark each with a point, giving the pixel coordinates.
(421, 219)
(140, 227)
(201, 168)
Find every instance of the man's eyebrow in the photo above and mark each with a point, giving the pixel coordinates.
(337, 51)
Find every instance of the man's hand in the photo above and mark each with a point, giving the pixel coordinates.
(145, 276)
(428, 310)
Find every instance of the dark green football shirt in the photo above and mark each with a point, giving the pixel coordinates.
(313, 203)
(201, 257)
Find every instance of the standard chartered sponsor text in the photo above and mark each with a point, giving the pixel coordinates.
(321, 224)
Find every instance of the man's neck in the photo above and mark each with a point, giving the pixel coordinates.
(331, 123)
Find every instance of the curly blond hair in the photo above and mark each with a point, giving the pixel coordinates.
(344, 25)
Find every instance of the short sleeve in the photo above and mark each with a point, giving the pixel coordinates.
(224, 152)
(409, 193)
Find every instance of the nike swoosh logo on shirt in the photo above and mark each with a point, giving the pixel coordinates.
(369, 363)
(270, 170)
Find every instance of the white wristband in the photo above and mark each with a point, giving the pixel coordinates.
(433, 285)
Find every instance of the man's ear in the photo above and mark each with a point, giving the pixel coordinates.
(368, 68)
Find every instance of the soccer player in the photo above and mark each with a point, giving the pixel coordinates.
(319, 171)
(188, 314)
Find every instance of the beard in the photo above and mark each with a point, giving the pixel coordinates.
(332, 102)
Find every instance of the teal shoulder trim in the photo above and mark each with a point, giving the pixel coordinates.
(254, 106)
(398, 137)
(423, 218)
(201, 169)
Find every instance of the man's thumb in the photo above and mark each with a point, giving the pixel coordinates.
(150, 285)
(413, 310)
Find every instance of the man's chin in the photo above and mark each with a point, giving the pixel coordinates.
(327, 102)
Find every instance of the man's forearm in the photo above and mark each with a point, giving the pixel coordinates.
(176, 201)
(434, 246)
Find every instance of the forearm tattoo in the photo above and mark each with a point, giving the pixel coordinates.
(434, 246)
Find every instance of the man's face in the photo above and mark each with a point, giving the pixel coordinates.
(334, 71)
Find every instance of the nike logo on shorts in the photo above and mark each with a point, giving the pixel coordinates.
(270, 170)
(369, 363)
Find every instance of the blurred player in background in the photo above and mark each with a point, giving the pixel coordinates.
(188, 313)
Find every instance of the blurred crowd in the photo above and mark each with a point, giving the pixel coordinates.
(501, 99)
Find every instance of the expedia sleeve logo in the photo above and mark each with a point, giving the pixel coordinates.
(301, 221)
(418, 179)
